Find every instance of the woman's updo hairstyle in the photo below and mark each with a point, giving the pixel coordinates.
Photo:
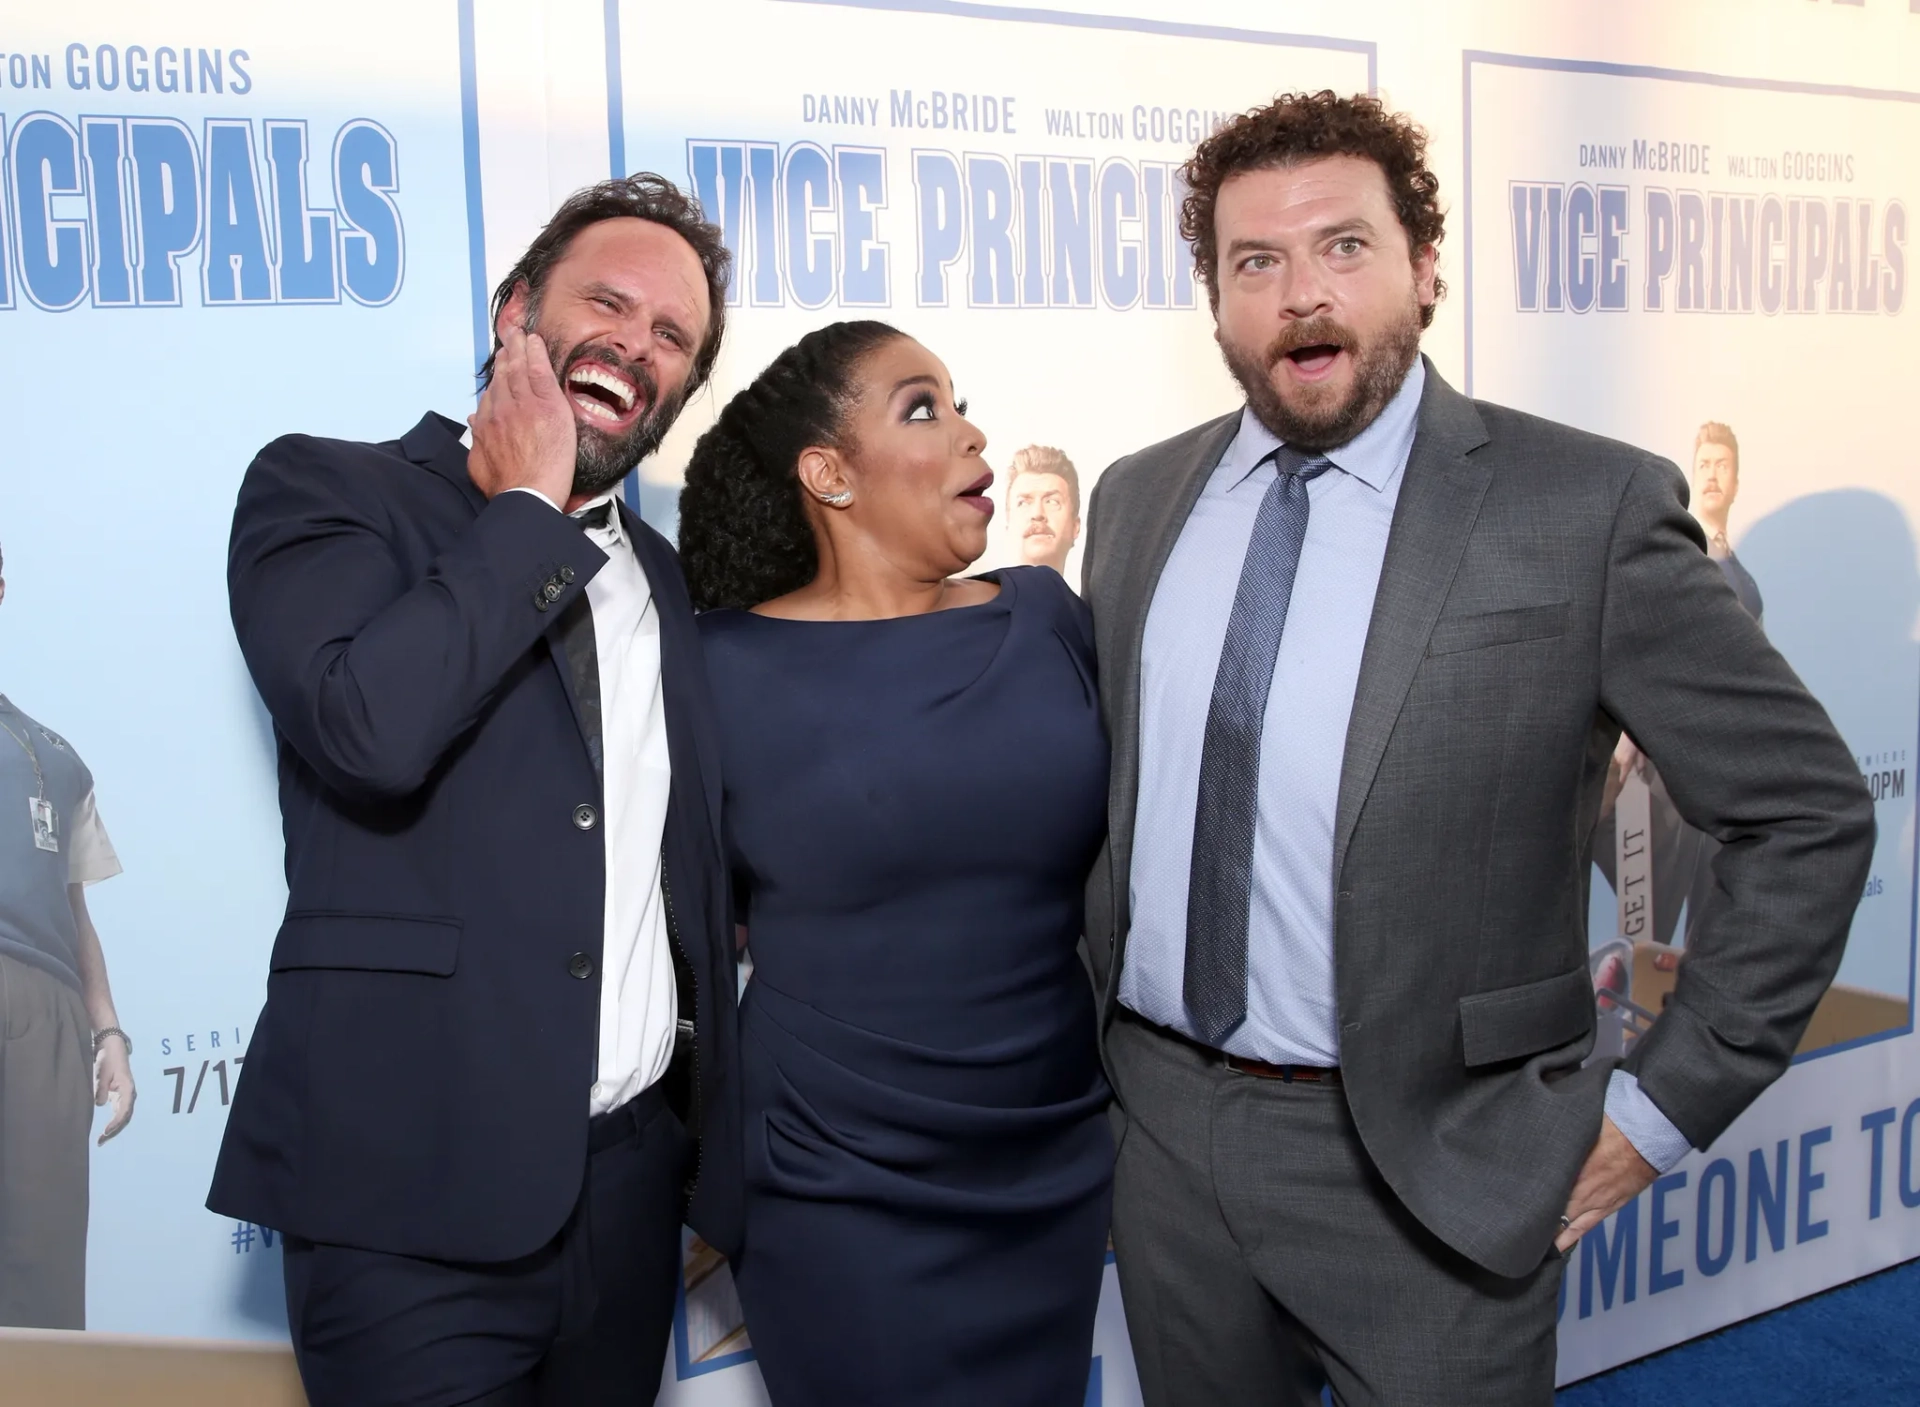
(744, 533)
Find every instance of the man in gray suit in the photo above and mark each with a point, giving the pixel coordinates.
(1366, 646)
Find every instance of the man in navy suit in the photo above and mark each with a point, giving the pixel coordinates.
(497, 1054)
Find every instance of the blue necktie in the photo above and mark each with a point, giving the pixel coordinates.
(1220, 885)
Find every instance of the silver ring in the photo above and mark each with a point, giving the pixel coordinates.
(1565, 1224)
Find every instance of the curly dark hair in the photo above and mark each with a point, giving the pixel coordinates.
(1298, 127)
(744, 533)
(641, 196)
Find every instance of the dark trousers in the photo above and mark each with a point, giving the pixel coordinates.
(584, 1320)
(46, 1113)
(1262, 1255)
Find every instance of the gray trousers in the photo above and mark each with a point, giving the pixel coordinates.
(46, 1113)
(1262, 1255)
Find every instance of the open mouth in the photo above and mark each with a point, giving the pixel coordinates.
(1315, 361)
(602, 394)
(975, 493)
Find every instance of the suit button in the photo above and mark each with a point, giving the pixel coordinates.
(566, 575)
(585, 817)
(580, 965)
(540, 601)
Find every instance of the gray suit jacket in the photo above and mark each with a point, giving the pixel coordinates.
(1542, 589)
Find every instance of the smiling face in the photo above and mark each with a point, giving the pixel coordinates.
(1320, 296)
(1041, 520)
(1716, 483)
(623, 313)
(911, 460)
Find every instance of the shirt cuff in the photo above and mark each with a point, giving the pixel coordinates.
(519, 488)
(1650, 1132)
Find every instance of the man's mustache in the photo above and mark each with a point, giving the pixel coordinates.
(1312, 332)
(635, 372)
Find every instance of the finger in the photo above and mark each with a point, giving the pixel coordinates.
(511, 324)
(1585, 1222)
(1571, 1230)
(540, 378)
(510, 371)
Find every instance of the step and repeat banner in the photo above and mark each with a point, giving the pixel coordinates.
(227, 224)
(1720, 270)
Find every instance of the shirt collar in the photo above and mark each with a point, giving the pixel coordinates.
(1375, 456)
(614, 530)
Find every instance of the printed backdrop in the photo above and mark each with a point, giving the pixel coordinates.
(1687, 226)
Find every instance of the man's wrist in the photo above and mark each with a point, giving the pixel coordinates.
(522, 488)
(1652, 1134)
(100, 1037)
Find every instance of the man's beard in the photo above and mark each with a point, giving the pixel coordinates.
(601, 460)
(1378, 369)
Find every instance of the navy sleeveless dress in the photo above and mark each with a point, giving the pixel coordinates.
(912, 808)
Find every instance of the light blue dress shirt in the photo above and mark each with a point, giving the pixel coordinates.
(1292, 1017)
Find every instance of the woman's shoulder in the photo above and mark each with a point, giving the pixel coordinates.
(724, 631)
(1043, 590)
(721, 621)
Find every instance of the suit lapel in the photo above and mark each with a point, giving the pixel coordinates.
(434, 444)
(1168, 499)
(1439, 502)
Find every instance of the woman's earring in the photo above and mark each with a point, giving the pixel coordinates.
(838, 500)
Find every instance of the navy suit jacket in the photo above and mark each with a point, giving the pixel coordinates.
(418, 1080)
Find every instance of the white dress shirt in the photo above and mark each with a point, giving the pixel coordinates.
(638, 1003)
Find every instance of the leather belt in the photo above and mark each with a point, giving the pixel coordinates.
(1286, 1074)
(1242, 1064)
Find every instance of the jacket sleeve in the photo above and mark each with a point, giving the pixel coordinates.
(1752, 759)
(372, 676)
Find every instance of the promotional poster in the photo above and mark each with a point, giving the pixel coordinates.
(1718, 271)
(218, 230)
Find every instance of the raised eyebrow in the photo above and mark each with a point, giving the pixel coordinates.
(1355, 226)
(1251, 246)
(922, 379)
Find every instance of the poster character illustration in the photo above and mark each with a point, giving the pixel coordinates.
(1659, 866)
(1041, 507)
(61, 1050)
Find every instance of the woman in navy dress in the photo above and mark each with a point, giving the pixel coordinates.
(916, 781)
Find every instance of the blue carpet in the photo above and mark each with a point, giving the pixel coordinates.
(1857, 1344)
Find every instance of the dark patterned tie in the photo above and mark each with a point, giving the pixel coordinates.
(583, 657)
(1220, 885)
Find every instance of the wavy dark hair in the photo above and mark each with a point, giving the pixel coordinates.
(1300, 127)
(641, 196)
(744, 533)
